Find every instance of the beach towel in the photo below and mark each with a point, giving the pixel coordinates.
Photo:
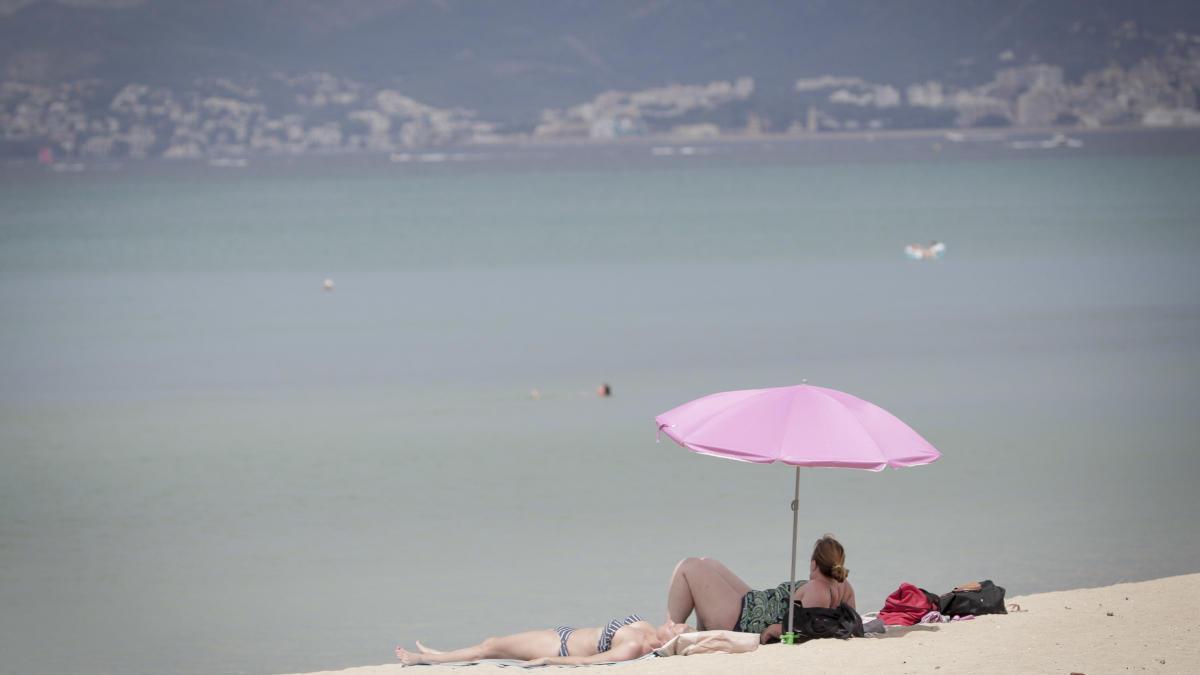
(936, 617)
(872, 624)
(514, 663)
(709, 642)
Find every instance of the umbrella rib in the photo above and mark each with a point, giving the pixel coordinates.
(874, 441)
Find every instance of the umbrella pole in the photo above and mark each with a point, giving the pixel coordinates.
(790, 638)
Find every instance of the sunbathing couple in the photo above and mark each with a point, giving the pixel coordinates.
(720, 600)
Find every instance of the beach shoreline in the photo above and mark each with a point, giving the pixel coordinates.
(1124, 628)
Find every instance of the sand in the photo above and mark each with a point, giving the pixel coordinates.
(1145, 627)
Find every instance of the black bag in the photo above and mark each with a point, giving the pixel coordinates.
(813, 623)
(989, 599)
(933, 598)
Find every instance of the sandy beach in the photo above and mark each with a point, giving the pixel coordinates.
(1125, 628)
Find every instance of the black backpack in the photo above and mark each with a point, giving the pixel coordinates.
(989, 599)
(820, 622)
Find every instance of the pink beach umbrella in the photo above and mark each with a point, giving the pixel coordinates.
(801, 425)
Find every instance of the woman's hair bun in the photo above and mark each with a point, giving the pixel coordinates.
(830, 557)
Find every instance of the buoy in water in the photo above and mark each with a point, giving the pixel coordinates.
(933, 251)
(328, 285)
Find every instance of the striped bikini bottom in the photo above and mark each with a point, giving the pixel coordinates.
(564, 633)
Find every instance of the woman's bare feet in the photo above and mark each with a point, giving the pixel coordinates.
(426, 650)
(408, 658)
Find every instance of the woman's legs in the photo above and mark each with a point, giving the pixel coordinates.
(709, 588)
(523, 646)
(730, 578)
(427, 650)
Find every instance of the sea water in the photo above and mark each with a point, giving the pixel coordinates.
(209, 464)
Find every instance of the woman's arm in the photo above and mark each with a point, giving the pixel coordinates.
(622, 652)
(771, 634)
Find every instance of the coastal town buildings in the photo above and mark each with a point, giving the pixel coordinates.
(324, 113)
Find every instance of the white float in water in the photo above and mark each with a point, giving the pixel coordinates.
(328, 285)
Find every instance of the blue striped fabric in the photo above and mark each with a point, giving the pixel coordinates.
(606, 635)
(564, 634)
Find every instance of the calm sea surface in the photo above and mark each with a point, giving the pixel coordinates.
(209, 465)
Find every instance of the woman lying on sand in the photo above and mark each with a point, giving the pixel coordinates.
(619, 640)
(723, 601)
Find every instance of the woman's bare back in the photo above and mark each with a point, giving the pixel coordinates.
(823, 592)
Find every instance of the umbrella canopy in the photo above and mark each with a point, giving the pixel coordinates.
(800, 425)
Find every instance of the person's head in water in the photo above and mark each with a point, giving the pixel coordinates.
(829, 557)
(604, 390)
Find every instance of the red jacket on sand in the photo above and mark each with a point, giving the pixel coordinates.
(905, 606)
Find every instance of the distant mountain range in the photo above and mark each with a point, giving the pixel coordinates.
(510, 59)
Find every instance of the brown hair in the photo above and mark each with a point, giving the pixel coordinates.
(830, 558)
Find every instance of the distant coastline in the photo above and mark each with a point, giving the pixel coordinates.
(937, 142)
(972, 134)
(229, 118)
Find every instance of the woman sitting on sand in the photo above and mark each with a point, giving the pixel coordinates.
(723, 601)
(622, 639)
